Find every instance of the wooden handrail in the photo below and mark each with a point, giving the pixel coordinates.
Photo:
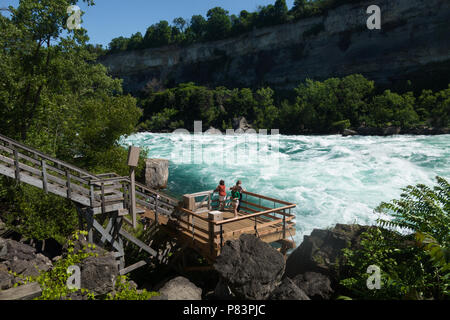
(195, 214)
(44, 156)
(266, 198)
(253, 215)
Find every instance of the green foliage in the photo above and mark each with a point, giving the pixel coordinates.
(393, 109)
(421, 209)
(55, 97)
(54, 282)
(36, 215)
(124, 291)
(416, 266)
(405, 271)
(328, 106)
(218, 25)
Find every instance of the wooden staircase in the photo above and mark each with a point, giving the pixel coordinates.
(106, 195)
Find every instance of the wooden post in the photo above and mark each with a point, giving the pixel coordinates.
(44, 176)
(103, 198)
(68, 184)
(16, 164)
(125, 195)
(90, 224)
(156, 209)
(284, 225)
(213, 216)
(221, 236)
(91, 194)
(133, 196)
(133, 159)
(193, 226)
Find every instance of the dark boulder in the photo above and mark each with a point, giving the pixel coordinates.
(98, 274)
(424, 130)
(389, 131)
(32, 267)
(2, 227)
(370, 131)
(22, 259)
(321, 252)
(6, 280)
(181, 288)
(222, 291)
(287, 290)
(251, 268)
(315, 285)
(12, 250)
(348, 132)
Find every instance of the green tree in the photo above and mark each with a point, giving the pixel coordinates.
(180, 23)
(118, 44)
(158, 35)
(136, 41)
(197, 28)
(55, 97)
(393, 109)
(218, 25)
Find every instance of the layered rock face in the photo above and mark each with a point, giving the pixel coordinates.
(413, 39)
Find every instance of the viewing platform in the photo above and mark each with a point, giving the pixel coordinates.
(200, 224)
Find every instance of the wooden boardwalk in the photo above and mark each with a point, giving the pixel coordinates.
(194, 222)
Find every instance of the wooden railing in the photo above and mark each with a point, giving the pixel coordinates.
(103, 193)
(215, 234)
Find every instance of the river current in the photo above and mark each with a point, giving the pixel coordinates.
(332, 179)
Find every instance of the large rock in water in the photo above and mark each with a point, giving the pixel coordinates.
(251, 268)
(287, 290)
(241, 124)
(98, 274)
(321, 252)
(181, 288)
(156, 173)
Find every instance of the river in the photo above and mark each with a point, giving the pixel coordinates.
(332, 179)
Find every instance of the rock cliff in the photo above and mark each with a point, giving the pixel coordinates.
(412, 43)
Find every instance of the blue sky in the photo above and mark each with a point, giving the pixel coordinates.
(109, 19)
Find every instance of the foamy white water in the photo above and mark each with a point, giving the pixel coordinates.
(332, 179)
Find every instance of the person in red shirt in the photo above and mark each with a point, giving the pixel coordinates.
(222, 194)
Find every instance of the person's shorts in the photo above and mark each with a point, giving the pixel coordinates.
(222, 198)
(235, 203)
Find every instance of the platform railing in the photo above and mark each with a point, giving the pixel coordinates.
(262, 216)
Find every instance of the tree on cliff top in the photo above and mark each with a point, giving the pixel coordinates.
(218, 25)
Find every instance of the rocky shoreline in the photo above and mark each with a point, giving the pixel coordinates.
(252, 270)
(242, 125)
(247, 269)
